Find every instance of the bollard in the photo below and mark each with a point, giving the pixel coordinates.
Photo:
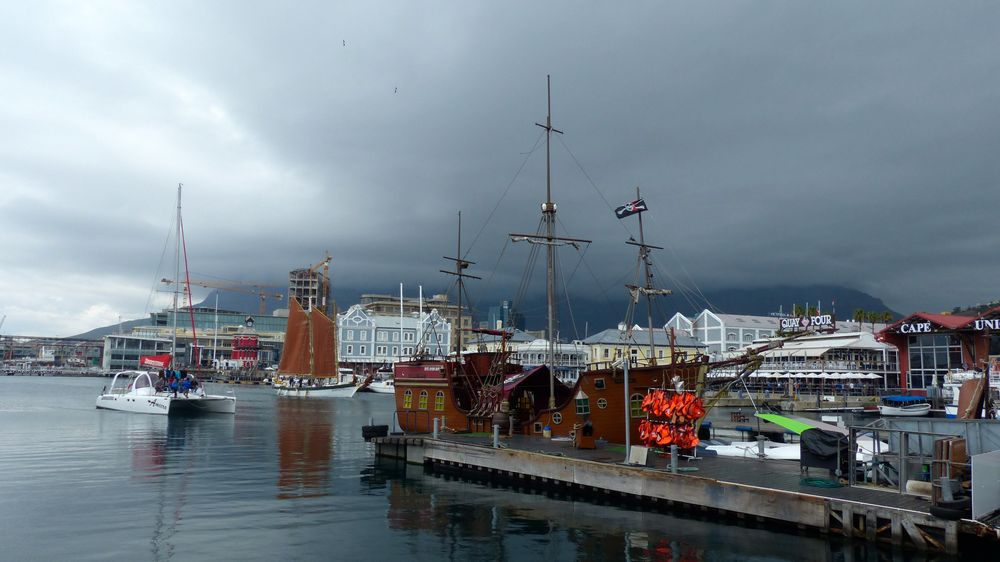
(435, 428)
(760, 445)
(673, 459)
(496, 436)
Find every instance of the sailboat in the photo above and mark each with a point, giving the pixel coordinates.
(476, 390)
(308, 365)
(138, 391)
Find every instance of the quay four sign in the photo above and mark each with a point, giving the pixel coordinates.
(807, 322)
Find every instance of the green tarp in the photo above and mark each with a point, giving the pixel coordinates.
(787, 423)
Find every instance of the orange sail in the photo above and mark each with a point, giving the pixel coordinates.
(310, 344)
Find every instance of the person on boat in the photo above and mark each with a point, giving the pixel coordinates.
(161, 382)
(186, 385)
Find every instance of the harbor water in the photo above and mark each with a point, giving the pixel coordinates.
(292, 479)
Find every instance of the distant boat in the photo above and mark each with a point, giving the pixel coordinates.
(903, 405)
(308, 364)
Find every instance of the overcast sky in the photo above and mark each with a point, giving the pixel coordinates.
(853, 143)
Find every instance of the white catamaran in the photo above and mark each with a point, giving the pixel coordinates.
(138, 391)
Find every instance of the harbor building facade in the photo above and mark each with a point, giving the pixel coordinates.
(367, 339)
(724, 332)
(608, 346)
(934, 345)
(226, 339)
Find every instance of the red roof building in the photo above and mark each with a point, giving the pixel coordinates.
(930, 345)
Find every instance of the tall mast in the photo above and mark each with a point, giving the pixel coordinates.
(648, 290)
(550, 240)
(549, 217)
(177, 275)
(459, 273)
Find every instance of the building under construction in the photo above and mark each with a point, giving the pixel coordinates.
(311, 287)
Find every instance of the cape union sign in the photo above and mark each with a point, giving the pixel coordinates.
(987, 325)
(806, 322)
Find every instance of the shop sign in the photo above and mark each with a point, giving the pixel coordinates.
(987, 325)
(820, 321)
(915, 328)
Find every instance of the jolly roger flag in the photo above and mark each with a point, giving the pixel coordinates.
(629, 209)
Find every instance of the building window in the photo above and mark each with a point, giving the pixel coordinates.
(423, 400)
(395, 351)
(350, 334)
(408, 336)
(635, 406)
(380, 350)
(599, 384)
(582, 406)
(381, 336)
(408, 399)
(602, 403)
(607, 353)
(350, 350)
(364, 350)
(557, 418)
(439, 401)
(932, 355)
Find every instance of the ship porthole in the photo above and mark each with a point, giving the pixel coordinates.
(557, 418)
(602, 403)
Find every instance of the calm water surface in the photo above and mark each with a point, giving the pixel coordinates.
(291, 479)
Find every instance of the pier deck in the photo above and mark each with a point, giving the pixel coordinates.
(766, 490)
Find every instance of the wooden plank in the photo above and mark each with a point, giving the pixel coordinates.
(914, 533)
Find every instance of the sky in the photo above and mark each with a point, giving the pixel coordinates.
(775, 143)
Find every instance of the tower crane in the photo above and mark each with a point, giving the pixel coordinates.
(324, 283)
(258, 290)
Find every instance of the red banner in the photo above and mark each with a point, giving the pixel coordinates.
(156, 361)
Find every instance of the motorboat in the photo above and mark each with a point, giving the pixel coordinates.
(134, 391)
(904, 405)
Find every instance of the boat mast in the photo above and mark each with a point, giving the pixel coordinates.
(460, 267)
(177, 275)
(549, 218)
(648, 290)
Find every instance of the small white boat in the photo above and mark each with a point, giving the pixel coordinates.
(383, 386)
(904, 406)
(133, 391)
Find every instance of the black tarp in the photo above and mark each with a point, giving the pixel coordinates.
(823, 449)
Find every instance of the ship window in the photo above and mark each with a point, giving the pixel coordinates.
(635, 406)
(439, 401)
(599, 384)
(537, 428)
(602, 403)
(583, 406)
(557, 418)
(423, 400)
(408, 399)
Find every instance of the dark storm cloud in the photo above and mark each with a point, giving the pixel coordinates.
(775, 143)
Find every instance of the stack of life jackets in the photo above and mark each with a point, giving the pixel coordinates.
(671, 419)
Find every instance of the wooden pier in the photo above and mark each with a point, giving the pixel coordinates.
(771, 492)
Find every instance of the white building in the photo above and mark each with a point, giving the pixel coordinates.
(366, 338)
(724, 332)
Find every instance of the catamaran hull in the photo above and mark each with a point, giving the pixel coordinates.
(337, 391)
(382, 387)
(167, 405)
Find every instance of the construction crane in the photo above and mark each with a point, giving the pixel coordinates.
(258, 290)
(324, 283)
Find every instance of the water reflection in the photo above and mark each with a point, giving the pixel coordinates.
(479, 521)
(305, 447)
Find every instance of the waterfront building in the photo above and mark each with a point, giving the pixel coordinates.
(226, 339)
(368, 339)
(932, 345)
(830, 364)
(389, 305)
(24, 354)
(724, 332)
(608, 346)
